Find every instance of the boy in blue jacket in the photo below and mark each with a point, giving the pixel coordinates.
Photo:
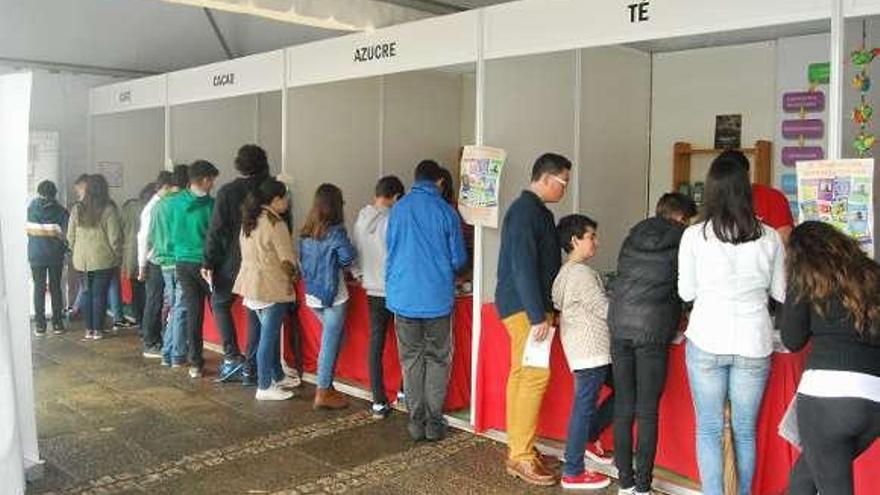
(425, 249)
(46, 225)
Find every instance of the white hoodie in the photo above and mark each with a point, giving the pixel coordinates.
(369, 238)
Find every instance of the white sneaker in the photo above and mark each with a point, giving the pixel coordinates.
(195, 372)
(289, 382)
(631, 491)
(273, 393)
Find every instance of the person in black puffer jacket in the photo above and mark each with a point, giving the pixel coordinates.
(643, 315)
(223, 252)
(46, 227)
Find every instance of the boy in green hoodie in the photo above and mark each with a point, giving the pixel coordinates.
(191, 218)
(160, 243)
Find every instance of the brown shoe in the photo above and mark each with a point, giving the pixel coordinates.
(328, 398)
(550, 462)
(532, 472)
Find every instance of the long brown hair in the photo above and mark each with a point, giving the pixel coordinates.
(95, 201)
(326, 212)
(823, 262)
(729, 201)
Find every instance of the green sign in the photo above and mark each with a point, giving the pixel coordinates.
(819, 73)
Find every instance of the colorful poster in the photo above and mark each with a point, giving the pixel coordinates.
(839, 192)
(480, 180)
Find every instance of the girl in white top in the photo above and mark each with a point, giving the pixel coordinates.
(728, 266)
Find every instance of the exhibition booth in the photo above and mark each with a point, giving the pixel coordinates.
(634, 95)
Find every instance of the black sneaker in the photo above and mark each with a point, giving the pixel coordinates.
(230, 371)
(248, 379)
(40, 331)
(122, 325)
(435, 430)
(57, 328)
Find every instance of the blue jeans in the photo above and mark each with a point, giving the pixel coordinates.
(268, 355)
(715, 378)
(174, 339)
(94, 298)
(114, 297)
(587, 383)
(332, 321)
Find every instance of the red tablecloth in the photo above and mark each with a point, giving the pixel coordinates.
(353, 357)
(677, 442)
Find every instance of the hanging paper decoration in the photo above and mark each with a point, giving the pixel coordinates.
(862, 115)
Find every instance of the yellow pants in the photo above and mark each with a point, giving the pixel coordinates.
(525, 392)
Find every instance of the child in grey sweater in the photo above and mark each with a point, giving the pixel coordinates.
(578, 293)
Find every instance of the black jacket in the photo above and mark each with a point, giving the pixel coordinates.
(47, 231)
(529, 259)
(222, 250)
(643, 298)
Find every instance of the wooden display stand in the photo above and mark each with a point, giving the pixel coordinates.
(761, 162)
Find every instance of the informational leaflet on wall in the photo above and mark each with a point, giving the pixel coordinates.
(112, 171)
(839, 192)
(480, 180)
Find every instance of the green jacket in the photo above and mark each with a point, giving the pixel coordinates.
(131, 222)
(160, 234)
(177, 231)
(96, 247)
(192, 219)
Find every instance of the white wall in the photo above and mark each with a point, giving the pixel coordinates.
(136, 140)
(529, 110)
(612, 173)
(213, 131)
(691, 87)
(422, 120)
(60, 102)
(333, 136)
(269, 128)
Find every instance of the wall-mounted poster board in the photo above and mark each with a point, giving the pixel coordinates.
(479, 181)
(839, 192)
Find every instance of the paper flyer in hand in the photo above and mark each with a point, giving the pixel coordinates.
(480, 182)
(839, 192)
(537, 354)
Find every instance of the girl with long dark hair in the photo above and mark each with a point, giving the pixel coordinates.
(266, 280)
(728, 265)
(325, 251)
(95, 238)
(833, 300)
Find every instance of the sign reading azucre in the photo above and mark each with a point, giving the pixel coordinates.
(375, 52)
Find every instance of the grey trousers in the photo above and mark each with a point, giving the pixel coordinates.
(425, 353)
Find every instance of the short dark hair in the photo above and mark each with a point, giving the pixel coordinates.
(201, 169)
(428, 170)
(573, 226)
(180, 176)
(447, 190)
(47, 189)
(147, 191)
(165, 178)
(735, 156)
(389, 187)
(251, 160)
(82, 179)
(549, 163)
(675, 203)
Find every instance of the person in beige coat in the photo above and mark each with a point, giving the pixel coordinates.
(266, 280)
(94, 235)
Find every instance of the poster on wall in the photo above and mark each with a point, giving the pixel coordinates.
(480, 179)
(43, 161)
(839, 192)
(728, 131)
(112, 171)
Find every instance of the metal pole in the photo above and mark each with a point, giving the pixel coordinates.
(835, 89)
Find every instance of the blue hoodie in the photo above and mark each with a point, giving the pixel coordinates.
(425, 249)
(46, 229)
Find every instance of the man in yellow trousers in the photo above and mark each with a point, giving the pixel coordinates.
(527, 264)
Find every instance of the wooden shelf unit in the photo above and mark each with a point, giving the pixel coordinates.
(761, 155)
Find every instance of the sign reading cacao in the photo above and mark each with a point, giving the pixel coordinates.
(124, 96)
(224, 79)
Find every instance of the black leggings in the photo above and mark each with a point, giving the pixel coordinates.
(833, 433)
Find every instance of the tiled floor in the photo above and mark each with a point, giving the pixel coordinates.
(112, 422)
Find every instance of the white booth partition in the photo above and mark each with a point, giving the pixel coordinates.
(127, 126)
(368, 105)
(215, 109)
